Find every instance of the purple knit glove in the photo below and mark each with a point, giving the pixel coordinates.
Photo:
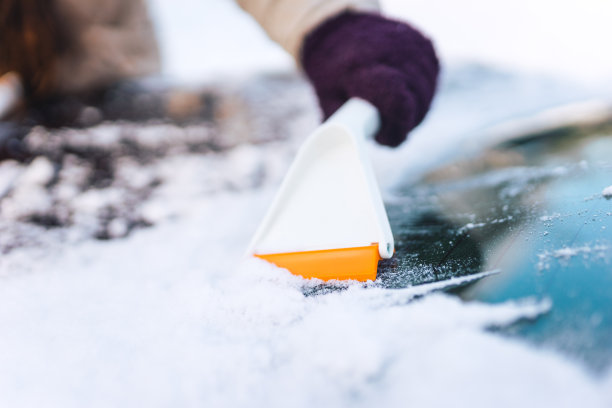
(386, 62)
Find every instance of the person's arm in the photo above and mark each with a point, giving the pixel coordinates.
(287, 22)
(349, 50)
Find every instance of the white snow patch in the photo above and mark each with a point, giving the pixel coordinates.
(475, 225)
(550, 217)
(38, 173)
(28, 195)
(564, 255)
(471, 225)
(567, 253)
(9, 172)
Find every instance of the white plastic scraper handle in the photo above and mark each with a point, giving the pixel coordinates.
(329, 198)
(359, 117)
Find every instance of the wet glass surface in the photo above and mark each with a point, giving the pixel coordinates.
(532, 210)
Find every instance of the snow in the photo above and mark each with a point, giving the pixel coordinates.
(550, 217)
(30, 195)
(9, 172)
(607, 192)
(172, 315)
(565, 254)
(471, 226)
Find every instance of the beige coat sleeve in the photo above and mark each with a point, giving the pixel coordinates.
(288, 21)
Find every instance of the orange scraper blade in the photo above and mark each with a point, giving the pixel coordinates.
(359, 263)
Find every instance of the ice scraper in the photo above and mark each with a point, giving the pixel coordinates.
(328, 220)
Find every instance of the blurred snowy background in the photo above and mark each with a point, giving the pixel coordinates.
(167, 314)
(565, 38)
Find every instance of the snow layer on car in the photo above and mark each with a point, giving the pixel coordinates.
(170, 316)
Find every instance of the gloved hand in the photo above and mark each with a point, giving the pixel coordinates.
(388, 63)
